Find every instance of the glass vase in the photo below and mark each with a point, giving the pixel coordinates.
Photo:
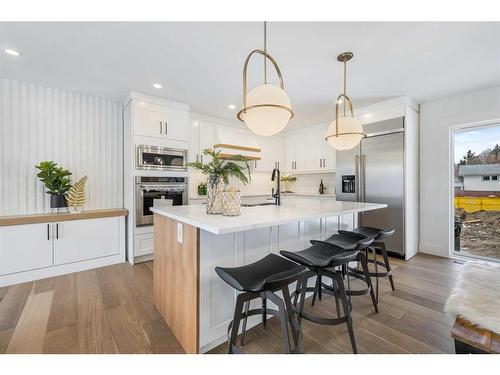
(215, 187)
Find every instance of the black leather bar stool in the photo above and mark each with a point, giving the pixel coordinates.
(261, 280)
(378, 244)
(320, 259)
(350, 240)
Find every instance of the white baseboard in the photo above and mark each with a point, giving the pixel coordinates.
(433, 249)
(43, 273)
(144, 258)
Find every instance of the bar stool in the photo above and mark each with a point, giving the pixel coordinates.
(319, 259)
(350, 240)
(261, 280)
(378, 235)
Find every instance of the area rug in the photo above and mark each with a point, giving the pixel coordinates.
(476, 297)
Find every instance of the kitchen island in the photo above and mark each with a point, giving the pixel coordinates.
(195, 303)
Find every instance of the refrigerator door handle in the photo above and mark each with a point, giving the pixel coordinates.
(356, 178)
(363, 169)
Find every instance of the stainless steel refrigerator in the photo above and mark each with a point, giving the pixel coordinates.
(374, 172)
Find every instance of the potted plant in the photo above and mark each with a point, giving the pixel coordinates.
(56, 181)
(218, 171)
(286, 181)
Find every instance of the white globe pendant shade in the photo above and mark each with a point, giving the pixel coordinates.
(350, 133)
(268, 110)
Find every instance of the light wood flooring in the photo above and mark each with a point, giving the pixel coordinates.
(110, 310)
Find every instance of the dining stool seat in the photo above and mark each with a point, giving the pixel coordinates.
(262, 279)
(378, 244)
(321, 258)
(260, 275)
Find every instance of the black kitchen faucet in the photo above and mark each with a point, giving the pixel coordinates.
(276, 195)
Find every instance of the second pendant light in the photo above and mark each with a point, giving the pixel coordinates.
(345, 132)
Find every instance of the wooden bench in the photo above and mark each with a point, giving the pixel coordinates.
(471, 339)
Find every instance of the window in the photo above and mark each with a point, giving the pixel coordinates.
(494, 178)
(486, 178)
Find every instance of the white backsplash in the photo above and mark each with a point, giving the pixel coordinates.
(261, 183)
(309, 183)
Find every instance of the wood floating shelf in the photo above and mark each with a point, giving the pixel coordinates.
(63, 216)
(235, 147)
(230, 156)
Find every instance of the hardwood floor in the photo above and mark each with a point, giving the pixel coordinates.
(110, 310)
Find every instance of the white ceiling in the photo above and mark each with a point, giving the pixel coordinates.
(200, 63)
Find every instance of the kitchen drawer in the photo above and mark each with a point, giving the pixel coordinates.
(144, 244)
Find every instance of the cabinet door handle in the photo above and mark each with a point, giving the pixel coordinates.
(166, 128)
(161, 128)
(196, 157)
(255, 163)
(278, 165)
(324, 162)
(48, 232)
(57, 231)
(321, 163)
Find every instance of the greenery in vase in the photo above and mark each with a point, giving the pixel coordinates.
(220, 168)
(288, 178)
(55, 178)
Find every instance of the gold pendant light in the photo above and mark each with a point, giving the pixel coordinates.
(344, 132)
(267, 107)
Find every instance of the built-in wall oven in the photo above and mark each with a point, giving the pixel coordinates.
(157, 192)
(161, 158)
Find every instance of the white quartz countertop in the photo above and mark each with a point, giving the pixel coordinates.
(290, 211)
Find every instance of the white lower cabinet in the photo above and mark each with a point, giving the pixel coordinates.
(144, 244)
(36, 251)
(86, 239)
(25, 247)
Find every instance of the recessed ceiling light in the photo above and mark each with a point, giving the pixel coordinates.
(157, 86)
(12, 52)
(232, 106)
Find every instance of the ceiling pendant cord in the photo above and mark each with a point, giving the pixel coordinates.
(345, 83)
(265, 52)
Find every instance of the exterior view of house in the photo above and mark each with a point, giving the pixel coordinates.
(481, 177)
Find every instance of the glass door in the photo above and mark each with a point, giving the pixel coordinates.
(476, 187)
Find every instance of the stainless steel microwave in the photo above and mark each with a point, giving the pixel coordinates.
(161, 158)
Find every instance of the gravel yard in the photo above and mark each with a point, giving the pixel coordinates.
(480, 234)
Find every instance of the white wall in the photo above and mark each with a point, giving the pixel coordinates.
(477, 183)
(436, 119)
(80, 132)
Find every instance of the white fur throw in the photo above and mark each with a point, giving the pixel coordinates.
(476, 297)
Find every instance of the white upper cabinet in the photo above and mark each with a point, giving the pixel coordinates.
(294, 153)
(202, 137)
(272, 154)
(307, 151)
(154, 120)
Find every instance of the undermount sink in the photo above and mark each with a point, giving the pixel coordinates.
(257, 204)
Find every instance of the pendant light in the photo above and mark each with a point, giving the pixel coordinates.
(267, 107)
(344, 132)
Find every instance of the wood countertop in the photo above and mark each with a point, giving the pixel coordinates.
(63, 216)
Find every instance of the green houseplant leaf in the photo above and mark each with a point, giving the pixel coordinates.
(237, 167)
(55, 178)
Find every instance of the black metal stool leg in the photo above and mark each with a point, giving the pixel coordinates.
(317, 287)
(387, 265)
(264, 312)
(345, 305)
(375, 262)
(244, 327)
(364, 264)
(296, 331)
(236, 322)
(283, 317)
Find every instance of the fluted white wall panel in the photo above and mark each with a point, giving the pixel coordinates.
(80, 132)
